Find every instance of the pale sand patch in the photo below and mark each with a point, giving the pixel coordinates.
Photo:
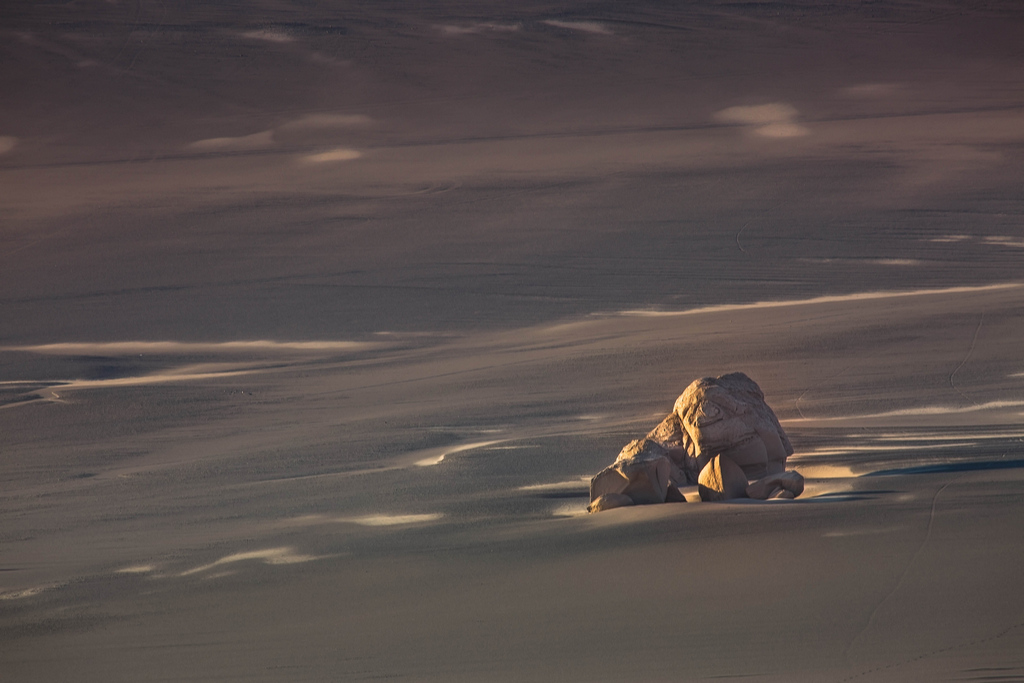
(572, 484)
(283, 555)
(974, 436)
(26, 592)
(877, 261)
(923, 411)
(950, 238)
(896, 262)
(570, 510)
(340, 154)
(269, 36)
(365, 520)
(870, 90)
(861, 532)
(584, 26)
(7, 143)
(439, 458)
(882, 448)
(1004, 241)
(177, 347)
(175, 375)
(394, 520)
(326, 122)
(824, 471)
(782, 130)
(775, 120)
(480, 27)
(862, 296)
(241, 143)
(758, 114)
(137, 569)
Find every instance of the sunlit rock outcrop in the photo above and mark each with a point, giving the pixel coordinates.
(721, 436)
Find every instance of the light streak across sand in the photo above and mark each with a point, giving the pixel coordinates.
(364, 520)
(184, 348)
(974, 436)
(839, 298)
(438, 459)
(922, 411)
(239, 143)
(584, 26)
(284, 555)
(340, 154)
(26, 592)
(582, 482)
(570, 510)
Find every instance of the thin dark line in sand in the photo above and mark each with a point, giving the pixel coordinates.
(740, 246)
(949, 648)
(902, 579)
(796, 401)
(974, 342)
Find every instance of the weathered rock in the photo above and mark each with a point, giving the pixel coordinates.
(715, 416)
(784, 485)
(642, 472)
(728, 416)
(609, 501)
(721, 479)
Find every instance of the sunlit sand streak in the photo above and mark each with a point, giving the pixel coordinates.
(341, 154)
(453, 30)
(241, 143)
(881, 448)
(177, 347)
(436, 460)
(570, 510)
(861, 532)
(824, 471)
(365, 520)
(915, 412)
(582, 482)
(27, 592)
(283, 555)
(584, 26)
(269, 36)
(974, 436)
(144, 380)
(840, 298)
(319, 122)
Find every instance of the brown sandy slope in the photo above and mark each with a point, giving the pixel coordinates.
(315, 321)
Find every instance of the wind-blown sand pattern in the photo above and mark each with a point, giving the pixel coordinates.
(316, 320)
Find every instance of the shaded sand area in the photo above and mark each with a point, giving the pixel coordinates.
(315, 322)
(417, 510)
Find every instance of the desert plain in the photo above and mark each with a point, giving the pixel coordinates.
(317, 318)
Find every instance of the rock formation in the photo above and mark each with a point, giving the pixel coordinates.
(720, 435)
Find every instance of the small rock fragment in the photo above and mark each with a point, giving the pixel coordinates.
(609, 501)
(783, 485)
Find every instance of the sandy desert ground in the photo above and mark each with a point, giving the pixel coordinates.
(316, 318)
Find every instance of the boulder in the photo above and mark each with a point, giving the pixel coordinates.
(728, 416)
(642, 472)
(720, 435)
